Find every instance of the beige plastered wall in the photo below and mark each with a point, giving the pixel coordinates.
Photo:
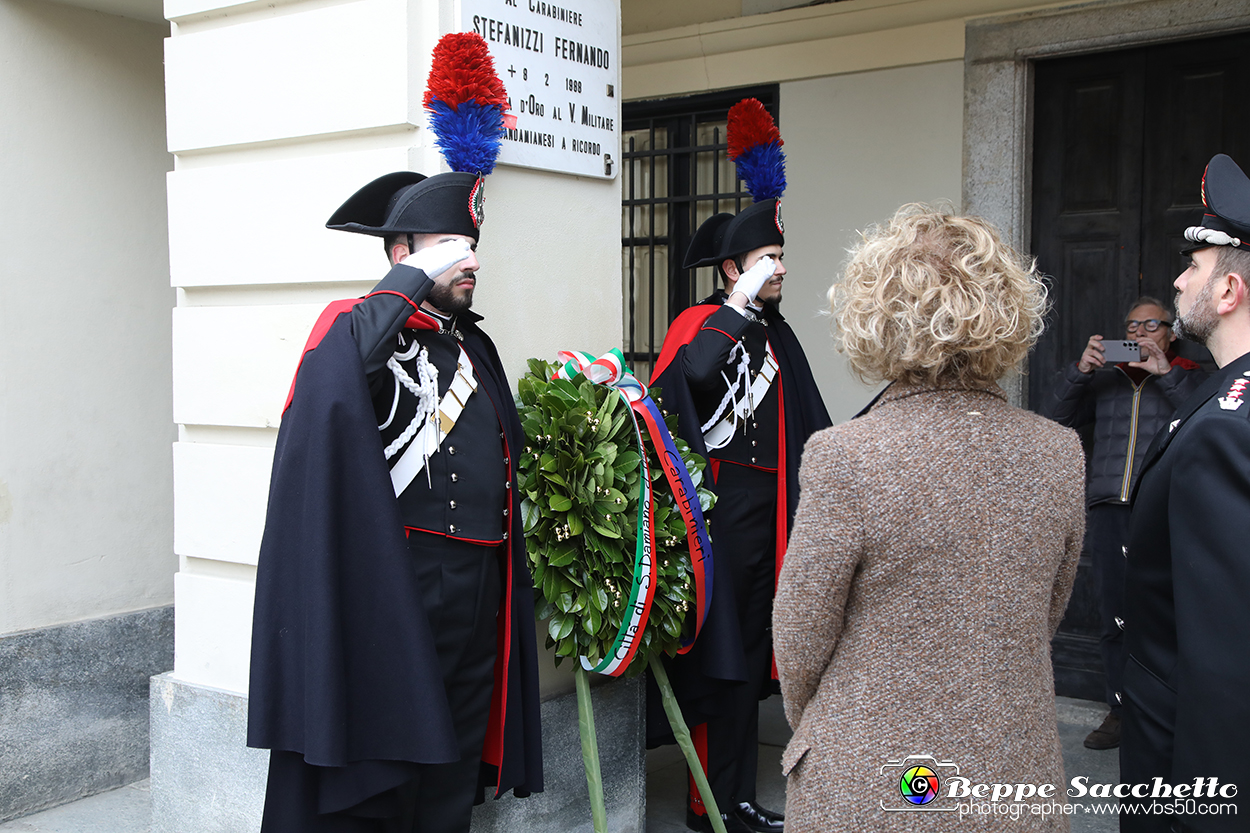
(86, 515)
(857, 147)
(871, 112)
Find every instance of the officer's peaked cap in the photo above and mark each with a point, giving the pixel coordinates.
(1226, 195)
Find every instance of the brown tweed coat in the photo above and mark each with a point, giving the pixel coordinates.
(931, 560)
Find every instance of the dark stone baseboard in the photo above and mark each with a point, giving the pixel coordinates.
(74, 707)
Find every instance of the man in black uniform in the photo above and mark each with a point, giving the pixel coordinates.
(1184, 731)
(393, 655)
(733, 371)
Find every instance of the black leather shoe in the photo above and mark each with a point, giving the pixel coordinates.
(704, 824)
(758, 819)
(1106, 736)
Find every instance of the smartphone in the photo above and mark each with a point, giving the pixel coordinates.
(1121, 351)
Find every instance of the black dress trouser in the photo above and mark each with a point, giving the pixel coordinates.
(460, 588)
(744, 534)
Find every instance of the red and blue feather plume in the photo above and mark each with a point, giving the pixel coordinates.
(755, 148)
(466, 101)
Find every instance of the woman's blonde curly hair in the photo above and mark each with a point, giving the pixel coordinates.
(932, 297)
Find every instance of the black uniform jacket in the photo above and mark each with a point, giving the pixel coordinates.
(718, 656)
(343, 665)
(1186, 596)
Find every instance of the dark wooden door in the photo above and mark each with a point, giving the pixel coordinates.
(1198, 106)
(1087, 199)
(1119, 144)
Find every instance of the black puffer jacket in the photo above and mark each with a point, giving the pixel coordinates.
(1125, 416)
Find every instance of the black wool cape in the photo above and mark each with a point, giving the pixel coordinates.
(343, 663)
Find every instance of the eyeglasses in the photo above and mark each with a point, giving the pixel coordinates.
(1151, 324)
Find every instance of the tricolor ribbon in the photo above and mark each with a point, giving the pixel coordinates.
(687, 497)
(610, 370)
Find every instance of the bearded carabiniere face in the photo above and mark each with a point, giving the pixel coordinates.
(453, 290)
(1195, 305)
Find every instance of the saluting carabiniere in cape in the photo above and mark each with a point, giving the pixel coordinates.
(393, 654)
(733, 371)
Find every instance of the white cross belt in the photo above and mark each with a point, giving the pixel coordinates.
(719, 435)
(427, 441)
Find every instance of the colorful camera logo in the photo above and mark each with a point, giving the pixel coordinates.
(919, 785)
(911, 785)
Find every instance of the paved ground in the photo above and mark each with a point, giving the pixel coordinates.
(666, 770)
(126, 810)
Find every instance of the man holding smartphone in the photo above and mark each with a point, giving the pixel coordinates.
(1125, 403)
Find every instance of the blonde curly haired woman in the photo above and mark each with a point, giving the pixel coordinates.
(933, 549)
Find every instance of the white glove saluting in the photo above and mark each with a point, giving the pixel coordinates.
(753, 279)
(437, 259)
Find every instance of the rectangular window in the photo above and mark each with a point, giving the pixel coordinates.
(676, 174)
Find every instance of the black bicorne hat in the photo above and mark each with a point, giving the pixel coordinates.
(406, 202)
(1226, 194)
(707, 241)
(757, 226)
(724, 236)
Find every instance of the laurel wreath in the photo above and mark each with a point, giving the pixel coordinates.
(579, 479)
